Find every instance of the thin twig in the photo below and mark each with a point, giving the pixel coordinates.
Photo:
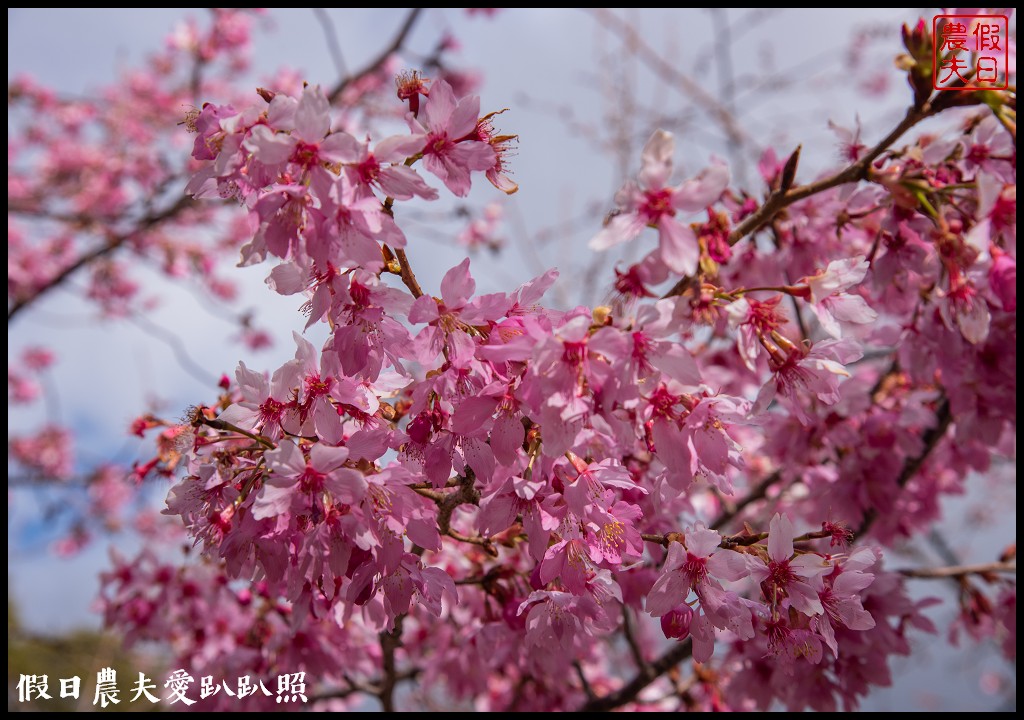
(732, 541)
(225, 426)
(727, 85)
(655, 538)
(484, 542)
(758, 492)
(798, 314)
(177, 347)
(686, 85)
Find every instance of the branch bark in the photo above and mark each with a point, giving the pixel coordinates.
(854, 172)
(378, 62)
(758, 492)
(944, 418)
(630, 634)
(959, 571)
(644, 677)
(389, 643)
(86, 259)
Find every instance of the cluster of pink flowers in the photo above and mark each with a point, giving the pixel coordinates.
(505, 501)
(95, 206)
(514, 480)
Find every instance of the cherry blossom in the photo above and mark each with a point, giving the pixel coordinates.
(449, 150)
(651, 202)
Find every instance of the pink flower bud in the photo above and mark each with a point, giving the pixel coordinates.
(676, 624)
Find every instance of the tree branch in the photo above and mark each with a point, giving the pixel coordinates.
(691, 89)
(407, 274)
(331, 36)
(959, 571)
(758, 492)
(786, 195)
(113, 244)
(931, 439)
(854, 172)
(177, 346)
(644, 677)
(629, 633)
(732, 541)
(389, 642)
(584, 683)
(378, 62)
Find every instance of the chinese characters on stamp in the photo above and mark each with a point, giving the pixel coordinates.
(971, 52)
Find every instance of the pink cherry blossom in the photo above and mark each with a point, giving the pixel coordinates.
(795, 579)
(651, 202)
(296, 481)
(449, 150)
(829, 301)
(807, 372)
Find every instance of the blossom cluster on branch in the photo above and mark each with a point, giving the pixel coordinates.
(515, 479)
(495, 499)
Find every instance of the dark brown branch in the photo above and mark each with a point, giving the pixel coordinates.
(486, 543)
(224, 426)
(378, 62)
(655, 538)
(758, 492)
(854, 172)
(785, 196)
(629, 632)
(389, 642)
(644, 677)
(79, 220)
(112, 244)
(353, 686)
(467, 494)
(584, 683)
(931, 439)
(732, 541)
(959, 571)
